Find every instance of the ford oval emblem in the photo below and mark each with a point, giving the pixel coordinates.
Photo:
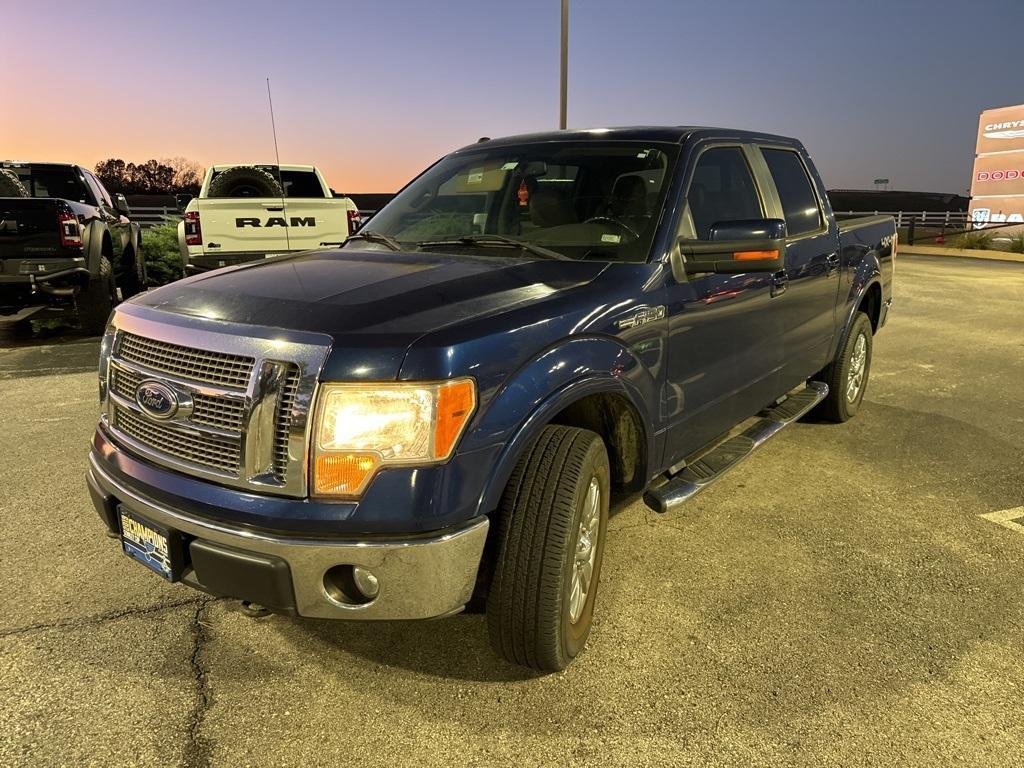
(156, 399)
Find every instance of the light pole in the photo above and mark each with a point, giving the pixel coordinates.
(565, 65)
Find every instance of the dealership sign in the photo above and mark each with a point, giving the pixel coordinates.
(997, 186)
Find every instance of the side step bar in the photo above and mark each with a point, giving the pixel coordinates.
(698, 475)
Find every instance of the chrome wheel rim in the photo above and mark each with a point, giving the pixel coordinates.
(858, 368)
(585, 551)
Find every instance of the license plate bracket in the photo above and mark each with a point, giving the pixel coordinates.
(158, 548)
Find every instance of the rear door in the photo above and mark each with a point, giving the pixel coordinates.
(809, 291)
(723, 352)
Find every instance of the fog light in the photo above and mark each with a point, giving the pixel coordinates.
(350, 586)
(365, 581)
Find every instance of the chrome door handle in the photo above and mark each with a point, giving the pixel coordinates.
(832, 260)
(780, 280)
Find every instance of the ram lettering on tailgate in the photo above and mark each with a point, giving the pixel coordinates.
(276, 221)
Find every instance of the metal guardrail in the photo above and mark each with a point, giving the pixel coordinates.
(929, 218)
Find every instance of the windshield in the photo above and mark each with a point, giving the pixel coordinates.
(584, 200)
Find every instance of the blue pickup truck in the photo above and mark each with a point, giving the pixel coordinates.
(437, 413)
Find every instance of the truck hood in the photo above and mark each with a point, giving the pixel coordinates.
(374, 304)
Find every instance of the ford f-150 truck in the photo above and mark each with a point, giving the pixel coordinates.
(439, 412)
(249, 212)
(64, 243)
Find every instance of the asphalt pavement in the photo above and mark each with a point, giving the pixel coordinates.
(839, 599)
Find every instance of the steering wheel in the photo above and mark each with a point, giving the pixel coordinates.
(609, 220)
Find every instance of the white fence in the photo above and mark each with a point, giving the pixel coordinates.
(153, 217)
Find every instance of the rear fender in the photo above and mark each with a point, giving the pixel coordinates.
(538, 391)
(865, 271)
(92, 245)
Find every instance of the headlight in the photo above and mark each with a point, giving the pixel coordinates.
(363, 427)
(106, 346)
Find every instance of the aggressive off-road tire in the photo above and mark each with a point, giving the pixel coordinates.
(245, 181)
(845, 394)
(542, 515)
(96, 302)
(132, 280)
(10, 184)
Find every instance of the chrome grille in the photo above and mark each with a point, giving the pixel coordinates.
(195, 364)
(243, 397)
(214, 411)
(221, 455)
(283, 422)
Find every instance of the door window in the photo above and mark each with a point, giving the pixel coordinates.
(722, 189)
(799, 203)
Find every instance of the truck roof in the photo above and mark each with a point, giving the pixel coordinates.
(675, 134)
(13, 163)
(282, 166)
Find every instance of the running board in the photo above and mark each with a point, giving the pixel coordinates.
(698, 475)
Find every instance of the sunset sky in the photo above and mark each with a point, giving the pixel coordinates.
(372, 92)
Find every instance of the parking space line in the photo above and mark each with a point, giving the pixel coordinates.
(1008, 518)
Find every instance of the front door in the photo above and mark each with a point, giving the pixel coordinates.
(723, 356)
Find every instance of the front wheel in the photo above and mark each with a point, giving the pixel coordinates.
(847, 376)
(552, 523)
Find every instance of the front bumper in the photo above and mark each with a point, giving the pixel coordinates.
(420, 577)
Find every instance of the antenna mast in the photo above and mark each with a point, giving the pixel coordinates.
(277, 157)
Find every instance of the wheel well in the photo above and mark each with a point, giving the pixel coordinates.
(615, 419)
(871, 305)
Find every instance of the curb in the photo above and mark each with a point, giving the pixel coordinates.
(962, 253)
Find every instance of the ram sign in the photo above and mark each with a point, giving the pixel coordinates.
(997, 185)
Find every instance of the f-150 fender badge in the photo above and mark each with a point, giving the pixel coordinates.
(648, 315)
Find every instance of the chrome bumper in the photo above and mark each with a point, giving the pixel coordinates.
(419, 578)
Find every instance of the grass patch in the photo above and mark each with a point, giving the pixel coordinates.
(975, 240)
(160, 250)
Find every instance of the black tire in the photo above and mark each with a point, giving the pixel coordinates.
(132, 280)
(839, 406)
(540, 516)
(10, 184)
(96, 302)
(245, 181)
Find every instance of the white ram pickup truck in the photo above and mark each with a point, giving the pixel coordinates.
(249, 212)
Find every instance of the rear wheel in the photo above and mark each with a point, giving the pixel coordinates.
(847, 376)
(553, 519)
(96, 302)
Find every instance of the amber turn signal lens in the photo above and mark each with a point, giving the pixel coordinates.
(344, 473)
(755, 255)
(455, 404)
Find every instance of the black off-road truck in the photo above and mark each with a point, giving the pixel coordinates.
(65, 244)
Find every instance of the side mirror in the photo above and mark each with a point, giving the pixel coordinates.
(182, 201)
(749, 245)
(122, 204)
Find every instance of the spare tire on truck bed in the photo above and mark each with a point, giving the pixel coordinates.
(10, 184)
(244, 181)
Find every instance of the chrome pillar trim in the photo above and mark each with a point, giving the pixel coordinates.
(262, 426)
(420, 578)
(276, 352)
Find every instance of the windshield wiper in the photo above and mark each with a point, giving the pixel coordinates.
(499, 241)
(376, 237)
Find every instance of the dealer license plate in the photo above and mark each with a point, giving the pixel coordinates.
(151, 545)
